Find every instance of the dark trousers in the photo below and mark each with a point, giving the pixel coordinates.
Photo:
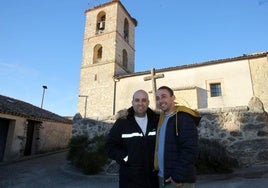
(184, 185)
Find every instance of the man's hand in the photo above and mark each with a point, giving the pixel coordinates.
(170, 180)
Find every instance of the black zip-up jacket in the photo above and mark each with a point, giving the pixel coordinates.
(181, 145)
(126, 139)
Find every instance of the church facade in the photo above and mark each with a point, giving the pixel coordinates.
(108, 80)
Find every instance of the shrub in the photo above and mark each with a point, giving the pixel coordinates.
(87, 154)
(213, 158)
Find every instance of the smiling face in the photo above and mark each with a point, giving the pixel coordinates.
(165, 101)
(140, 103)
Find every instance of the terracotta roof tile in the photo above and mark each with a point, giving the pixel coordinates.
(20, 108)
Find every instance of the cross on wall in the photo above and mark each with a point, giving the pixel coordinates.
(153, 77)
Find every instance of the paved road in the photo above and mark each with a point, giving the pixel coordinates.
(49, 172)
(52, 171)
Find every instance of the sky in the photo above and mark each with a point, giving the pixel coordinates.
(41, 41)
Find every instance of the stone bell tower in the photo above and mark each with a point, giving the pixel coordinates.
(108, 50)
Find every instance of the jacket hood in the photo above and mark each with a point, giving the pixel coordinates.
(196, 116)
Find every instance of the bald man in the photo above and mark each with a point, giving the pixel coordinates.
(131, 143)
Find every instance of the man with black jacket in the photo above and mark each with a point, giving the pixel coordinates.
(131, 143)
(176, 142)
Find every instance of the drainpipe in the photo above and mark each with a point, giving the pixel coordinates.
(114, 103)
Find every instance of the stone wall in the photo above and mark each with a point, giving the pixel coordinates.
(243, 131)
(90, 127)
(54, 136)
(46, 136)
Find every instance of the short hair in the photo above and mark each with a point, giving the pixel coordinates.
(140, 91)
(168, 89)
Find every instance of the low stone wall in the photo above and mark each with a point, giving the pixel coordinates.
(90, 127)
(243, 131)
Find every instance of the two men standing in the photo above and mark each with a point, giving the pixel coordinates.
(155, 152)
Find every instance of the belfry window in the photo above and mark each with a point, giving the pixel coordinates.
(97, 56)
(99, 53)
(101, 18)
(126, 30)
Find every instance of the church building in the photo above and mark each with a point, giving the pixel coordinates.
(108, 80)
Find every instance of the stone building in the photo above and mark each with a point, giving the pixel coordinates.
(28, 130)
(108, 80)
(231, 94)
(108, 50)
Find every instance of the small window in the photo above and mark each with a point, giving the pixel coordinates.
(215, 90)
(125, 59)
(97, 54)
(126, 30)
